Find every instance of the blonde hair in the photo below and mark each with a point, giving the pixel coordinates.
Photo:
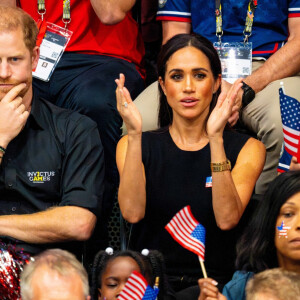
(279, 283)
(12, 18)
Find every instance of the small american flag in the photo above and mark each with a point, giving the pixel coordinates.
(282, 229)
(187, 231)
(136, 288)
(290, 115)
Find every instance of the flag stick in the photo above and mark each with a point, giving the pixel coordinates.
(202, 267)
(282, 86)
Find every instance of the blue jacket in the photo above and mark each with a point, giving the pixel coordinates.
(235, 289)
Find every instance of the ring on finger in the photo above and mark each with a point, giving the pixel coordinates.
(125, 104)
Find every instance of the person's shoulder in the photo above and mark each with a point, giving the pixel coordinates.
(235, 288)
(66, 118)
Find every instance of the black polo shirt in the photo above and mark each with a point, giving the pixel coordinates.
(56, 160)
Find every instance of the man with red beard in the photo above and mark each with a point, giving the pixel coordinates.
(51, 159)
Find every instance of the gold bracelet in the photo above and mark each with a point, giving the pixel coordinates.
(220, 167)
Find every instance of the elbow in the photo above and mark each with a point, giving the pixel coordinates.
(84, 229)
(228, 224)
(111, 18)
(133, 217)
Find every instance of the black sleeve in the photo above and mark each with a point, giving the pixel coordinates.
(83, 166)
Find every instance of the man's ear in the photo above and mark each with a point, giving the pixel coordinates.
(35, 57)
(162, 84)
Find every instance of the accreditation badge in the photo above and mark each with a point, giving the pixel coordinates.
(236, 60)
(52, 48)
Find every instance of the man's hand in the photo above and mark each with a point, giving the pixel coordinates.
(294, 166)
(226, 86)
(13, 115)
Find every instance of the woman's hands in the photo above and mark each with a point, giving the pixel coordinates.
(225, 108)
(209, 290)
(127, 109)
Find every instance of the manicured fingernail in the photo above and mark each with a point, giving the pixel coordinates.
(214, 282)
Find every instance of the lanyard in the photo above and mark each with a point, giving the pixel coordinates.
(66, 11)
(248, 24)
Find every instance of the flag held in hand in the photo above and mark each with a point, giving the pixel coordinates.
(136, 288)
(187, 231)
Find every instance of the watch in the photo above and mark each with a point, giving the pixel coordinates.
(220, 167)
(248, 94)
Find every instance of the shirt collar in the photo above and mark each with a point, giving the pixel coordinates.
(36, 111)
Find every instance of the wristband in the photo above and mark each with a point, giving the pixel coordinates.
(220, 167)
(2, 150)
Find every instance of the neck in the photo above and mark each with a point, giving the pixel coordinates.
(289, 265)
(189, 134)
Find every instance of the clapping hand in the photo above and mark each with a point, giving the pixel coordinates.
(127, 109)
(223, 110)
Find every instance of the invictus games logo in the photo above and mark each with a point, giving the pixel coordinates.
(40, 177)
(162, 3)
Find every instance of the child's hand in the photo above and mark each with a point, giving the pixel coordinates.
(209, 290)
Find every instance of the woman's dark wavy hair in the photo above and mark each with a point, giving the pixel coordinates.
(165, 115)
(151, 266)
(256, 250)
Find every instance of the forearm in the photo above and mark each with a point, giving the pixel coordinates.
(11, 3)
(132, 190)
(283, 63)
(53, 225)
(227, 205)
(111, 11)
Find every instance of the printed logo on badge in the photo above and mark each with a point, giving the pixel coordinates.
(40, 177)
(162, 3)
(208, 182)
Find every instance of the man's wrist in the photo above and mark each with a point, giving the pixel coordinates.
(248, 94)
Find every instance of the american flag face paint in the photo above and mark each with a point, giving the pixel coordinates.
(283, 230)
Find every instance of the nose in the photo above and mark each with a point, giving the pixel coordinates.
(188, 84)
(5, 70)
(120, 288)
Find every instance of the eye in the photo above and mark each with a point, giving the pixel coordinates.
(176, 76)
(111, 285)
(288, 214)
(15, 59)
(200, 75)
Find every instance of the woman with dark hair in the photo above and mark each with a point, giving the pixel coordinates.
(190, 160)
(272, 238)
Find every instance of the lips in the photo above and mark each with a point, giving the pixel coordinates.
(189, 101)
(295, 242)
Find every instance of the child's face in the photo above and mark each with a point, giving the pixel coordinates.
(115, 276)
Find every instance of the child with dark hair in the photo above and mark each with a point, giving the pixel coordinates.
(111, 270)
(271, 240)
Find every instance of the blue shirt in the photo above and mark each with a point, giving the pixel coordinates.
(270, 26)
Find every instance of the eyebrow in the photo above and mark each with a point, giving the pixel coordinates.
(194, 70)
(288, 202)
